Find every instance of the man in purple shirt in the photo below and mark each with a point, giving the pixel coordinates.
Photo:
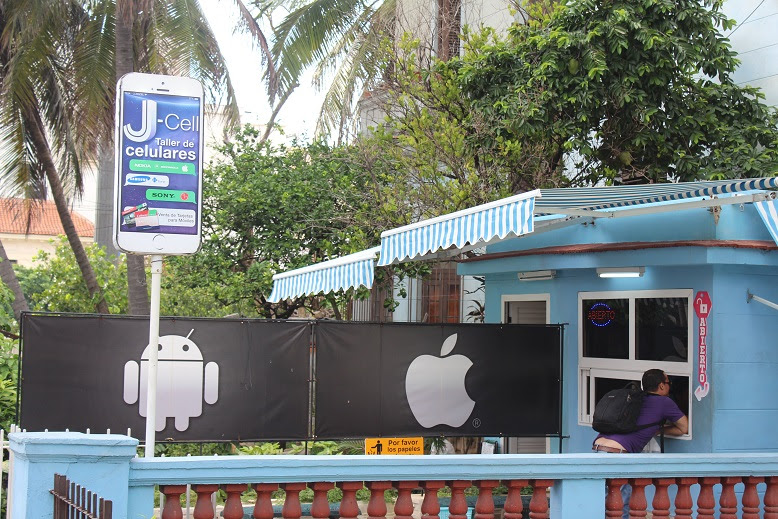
(657, 406)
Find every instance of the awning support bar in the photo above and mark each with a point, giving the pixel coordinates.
(713, 201)
(750, 296)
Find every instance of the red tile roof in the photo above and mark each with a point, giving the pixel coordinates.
(19, 216)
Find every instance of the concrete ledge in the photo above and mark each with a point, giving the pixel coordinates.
(66, 446)
(303, 469)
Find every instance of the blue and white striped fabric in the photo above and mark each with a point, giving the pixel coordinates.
(341, 273)
(480, 224)
(769, 213)
(624, 196)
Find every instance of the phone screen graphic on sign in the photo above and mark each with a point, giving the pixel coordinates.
(160, 161)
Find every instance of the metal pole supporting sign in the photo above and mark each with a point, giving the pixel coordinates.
(151, 388)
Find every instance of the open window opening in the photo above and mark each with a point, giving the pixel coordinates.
(623, 334)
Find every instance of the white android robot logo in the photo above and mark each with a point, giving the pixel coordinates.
(180, 377)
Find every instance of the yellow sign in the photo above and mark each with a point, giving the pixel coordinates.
(394, 445)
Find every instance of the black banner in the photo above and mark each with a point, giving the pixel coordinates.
(218, 379)
(423, 380)
(223, 380)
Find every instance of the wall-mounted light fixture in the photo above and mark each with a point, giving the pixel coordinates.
(537, 275)
(621, 272)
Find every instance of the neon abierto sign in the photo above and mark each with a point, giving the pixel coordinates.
(600, 314)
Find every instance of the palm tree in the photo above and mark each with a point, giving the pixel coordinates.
(341, 39)
(42, 130)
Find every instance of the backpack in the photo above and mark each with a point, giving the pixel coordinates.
(617, 412)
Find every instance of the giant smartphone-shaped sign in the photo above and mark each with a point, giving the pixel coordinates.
(159, 164)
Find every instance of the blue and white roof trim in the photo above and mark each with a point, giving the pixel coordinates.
(610, 197)
(514, 216)
(769, 213)
(510, 216)
(328, 276)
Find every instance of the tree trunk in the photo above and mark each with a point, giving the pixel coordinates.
(8, 276)
(137, 291)
(43, 154)
(104, 212)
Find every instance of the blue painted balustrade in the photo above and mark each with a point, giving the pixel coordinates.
(578, 482)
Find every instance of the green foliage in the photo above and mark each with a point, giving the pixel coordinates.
(265, 448)
(55, 283)
(626, 90)
(191, 449)
(9, 366)
(420, 154)
(268, 209)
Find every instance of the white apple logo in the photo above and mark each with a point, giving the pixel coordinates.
(435, 387)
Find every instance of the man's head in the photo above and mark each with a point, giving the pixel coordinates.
(655, 381)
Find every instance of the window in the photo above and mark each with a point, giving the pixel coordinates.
(440, 296)
(623, 334)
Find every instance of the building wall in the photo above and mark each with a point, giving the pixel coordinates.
(756, 41)
(745, 360)
(739, 408)
(22, 249)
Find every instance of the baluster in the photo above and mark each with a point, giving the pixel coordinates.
(203, 507)
(484, 506)
(172, 493)
(457, 509)
(430, 505)
(514, 507)
(233, 508)
(57, 501)
(263, 508)
(106, 509)
(683, 499)
(538, 505)
(728, 500)
(751, 498)
(661, 502)
(320, 508)
(403, 507)
(614, 504)
(637, 503)
(705, 502)
(349, 509)
(292, 508)
(771, 498)
(376, 507)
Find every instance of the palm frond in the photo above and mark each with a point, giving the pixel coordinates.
(357, 60)
(248, 22)
(178, 40)
(306, 35)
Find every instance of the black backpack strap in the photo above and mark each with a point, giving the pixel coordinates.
(662, 436)
(660, 423)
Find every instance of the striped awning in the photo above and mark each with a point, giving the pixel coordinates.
(328, 276)
(593, 198)
(769, 213)
(507, 217)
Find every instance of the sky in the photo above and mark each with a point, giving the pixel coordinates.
(299, 114)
